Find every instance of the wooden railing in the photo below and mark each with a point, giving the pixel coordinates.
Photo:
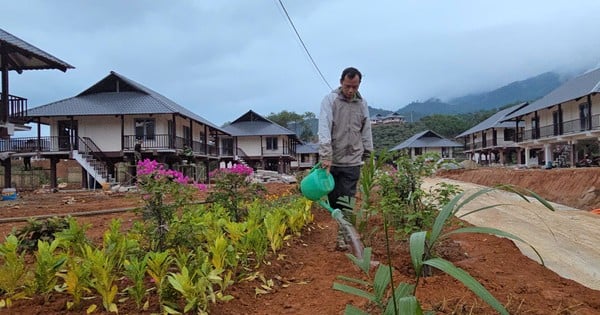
(17, 108)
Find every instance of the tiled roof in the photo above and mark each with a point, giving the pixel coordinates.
(116, 95)
(426, 139)
(495, 121)
(24, 56)
(575, 88)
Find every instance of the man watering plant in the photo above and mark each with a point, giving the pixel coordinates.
(344, 135)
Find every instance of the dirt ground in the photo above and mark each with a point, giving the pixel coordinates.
(306, 268)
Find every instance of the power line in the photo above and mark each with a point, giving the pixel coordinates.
(303, 45)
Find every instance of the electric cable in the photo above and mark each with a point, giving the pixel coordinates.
(312, 60)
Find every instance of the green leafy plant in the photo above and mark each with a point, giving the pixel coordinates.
(158, 268)
(401, 196)
(39, 230)
(232, 188)
(196, 287)
(117, 245)
(157, 183)
(422, 249)
(73, 238)
(135, 271)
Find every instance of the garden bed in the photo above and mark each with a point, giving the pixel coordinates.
(302, 273)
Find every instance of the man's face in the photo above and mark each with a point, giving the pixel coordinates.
(350, 86)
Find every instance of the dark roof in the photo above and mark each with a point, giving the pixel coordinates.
(575, 88)
(426, 139)
(24, 56)
(307, 148)
(116, 95)
(495, 121)
(253, 124)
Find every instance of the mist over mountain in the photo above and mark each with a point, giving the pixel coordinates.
(529, 89)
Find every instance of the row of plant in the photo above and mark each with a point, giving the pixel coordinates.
(183, 254)
(424, 218)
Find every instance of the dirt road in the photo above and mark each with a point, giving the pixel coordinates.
(568, 239)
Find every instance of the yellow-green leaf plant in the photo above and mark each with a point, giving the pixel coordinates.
(158, 268)
(13, 270)
(103, 276)
(47, 264)
(276, 226)
(75, 281)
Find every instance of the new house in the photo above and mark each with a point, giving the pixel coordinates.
(427, 142)
(261, 143)
(100, 126)
(494, 140)
(556, 129)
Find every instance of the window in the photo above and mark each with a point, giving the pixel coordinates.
(227, 146)
(509, 134)
(144, 128)
(271, 143)
(187, 135)
(584, 119)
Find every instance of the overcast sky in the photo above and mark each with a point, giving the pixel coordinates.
(223, 58)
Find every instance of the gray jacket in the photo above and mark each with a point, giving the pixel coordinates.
(344, 129)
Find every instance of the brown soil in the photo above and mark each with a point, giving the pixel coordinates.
(304, 271)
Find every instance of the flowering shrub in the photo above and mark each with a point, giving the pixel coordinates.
(155, 183)
(232, 187)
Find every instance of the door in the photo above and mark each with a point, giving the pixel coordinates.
(67, 135)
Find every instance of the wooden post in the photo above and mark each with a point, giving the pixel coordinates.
(7, 172)
(53, 179)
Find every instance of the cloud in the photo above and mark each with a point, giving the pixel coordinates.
(223, 58)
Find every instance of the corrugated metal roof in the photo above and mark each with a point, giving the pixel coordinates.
(253, 124)
(575, 88)
(307, 148)
(24, 56)
(103, 99)
(426, 139)
(495, 121)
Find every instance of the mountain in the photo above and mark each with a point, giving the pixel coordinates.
(515, 92)
(519, 91)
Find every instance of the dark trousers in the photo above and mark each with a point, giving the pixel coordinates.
(345, 179)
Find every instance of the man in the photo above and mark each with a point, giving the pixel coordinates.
(344, 135)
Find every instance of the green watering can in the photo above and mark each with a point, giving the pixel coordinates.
(318, 184)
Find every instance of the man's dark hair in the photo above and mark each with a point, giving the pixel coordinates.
(351, 72)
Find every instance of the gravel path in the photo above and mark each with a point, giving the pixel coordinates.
(568, 239)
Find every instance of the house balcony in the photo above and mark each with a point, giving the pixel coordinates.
(285, 151)
(572, 129)
(17, 109)
(33, 144)
(168, 143)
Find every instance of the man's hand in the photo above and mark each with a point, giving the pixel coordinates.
(326, 164)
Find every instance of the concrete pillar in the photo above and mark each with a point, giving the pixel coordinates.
(572, 153)
(548, 155)
(526, 156)
(502, 157)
